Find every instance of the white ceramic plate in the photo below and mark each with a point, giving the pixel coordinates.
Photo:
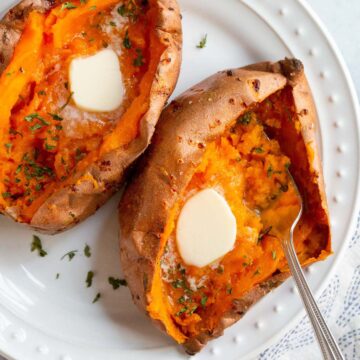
(45, 318)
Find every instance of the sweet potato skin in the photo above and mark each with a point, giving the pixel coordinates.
(81, 199)
(191, 121)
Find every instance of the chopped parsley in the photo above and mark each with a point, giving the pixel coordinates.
(15, 132)
(129, 10)
(49, 147)
(37, 245)
(6, 195)
(96, 298)
(87, 251)
(31, 117)
(68, 5)
(178, 283)
(270, 171)
(203, 301)
(69, 254)
(264, 232)
(245, 119)
(181, 300)
(127, 42)
(139, 60)
(79, 155)
(257, 272)
(202, 42)
(191, 311)
(181, 311)
(67, 101)
(258, 150)
(89, 278)
(56, 117)
(33, 169)
(116, 283)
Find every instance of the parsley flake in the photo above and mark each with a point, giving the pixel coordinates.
(96, 298)
(127, 42)
(116, 283)
(139, 60)
(37, 245)
(202, 42)
(67, 5)
(89, 278)
(203, 301)
(264, 232)
(70, 255)
(87, 251)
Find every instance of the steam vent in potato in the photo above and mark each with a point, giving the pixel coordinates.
(82, 85)
(194, 247)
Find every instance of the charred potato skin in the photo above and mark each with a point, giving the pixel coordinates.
(191, 121)
(72, 204)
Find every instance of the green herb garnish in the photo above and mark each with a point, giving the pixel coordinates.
(96, 298)
(258, 150)
(203, 301)
(178, 283)
(191, 311)
(6, 195)
(116, 283)
(87, 251)
(31, 117)
(139, 60)
(127, 42)
(37, 245)
(68, 5)
(181, 300)
(264, 232)
(70, 255)
(67, 101)
(89, 278)
(202, 42)
(181, 311)
(273, 254)
(56, 117)
(245, 119)
(49, 147)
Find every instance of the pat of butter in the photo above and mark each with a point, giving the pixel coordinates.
(96, 81)
(206, 228)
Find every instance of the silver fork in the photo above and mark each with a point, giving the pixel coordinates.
(328, 345)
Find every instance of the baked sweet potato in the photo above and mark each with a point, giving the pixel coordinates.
(238, 132)
(59, 161)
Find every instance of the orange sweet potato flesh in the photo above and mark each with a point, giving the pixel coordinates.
(251, 172)
(240, 132)
(60, 163)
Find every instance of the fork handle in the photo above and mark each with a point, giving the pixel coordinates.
(328, 345)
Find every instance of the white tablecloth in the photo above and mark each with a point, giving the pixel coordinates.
(340, 302)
